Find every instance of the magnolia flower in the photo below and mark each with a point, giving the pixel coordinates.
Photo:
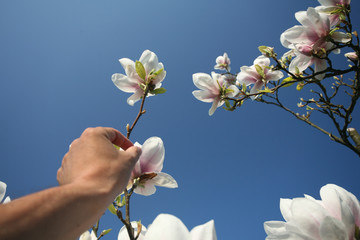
(2, 192)
(329, 6)
(169, 227)
(212, 89)
(223, 62)
(309, 41)
(147, 171)
(352, 56)
(133, 83)
(88, 236)
(258, 74)
(335, 216)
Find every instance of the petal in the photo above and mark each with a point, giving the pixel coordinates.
(7, 199)
(235, 91)
(152, 156)
(340, 37)
(164, 180)
(166, 227)
(217, 103)
(296, 34)
(285, 209)
(204, 96)
(149, 60)
(247, 75)
(204, 82)
(274, 75)
(301, 61)
(274, 227)
(124, 83)
(204, 232)
(333, 229)
(262, 61)
(256, 88)
(320, 65)
(145, 189)
(85, 236)
(135, 97)
(125, 62)
(2, 190)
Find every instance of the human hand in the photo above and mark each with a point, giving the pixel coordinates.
(94, 162)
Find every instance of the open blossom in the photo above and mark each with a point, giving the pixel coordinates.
(250, 75)
(132, 82)
(212, 89)
(2, 192)
(169, 227)
(328, 6)
(147, 170)
(310, 39)
(335, 216)
(223, 62)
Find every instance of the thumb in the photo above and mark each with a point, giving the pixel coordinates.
(134, 153)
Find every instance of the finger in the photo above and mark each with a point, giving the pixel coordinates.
(118, 138)
(134, 153)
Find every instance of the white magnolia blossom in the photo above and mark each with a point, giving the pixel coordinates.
(88, 236)
(132, 82)
(307, 41)
(148, 168)
(223, 62)
(169, 227)
(212, 89)
(335, 217)
(2, 192)
(250, 75)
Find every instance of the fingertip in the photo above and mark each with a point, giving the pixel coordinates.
(135, 152)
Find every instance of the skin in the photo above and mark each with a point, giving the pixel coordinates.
(92, 174)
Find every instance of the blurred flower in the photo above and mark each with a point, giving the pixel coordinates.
(133, 83)
(258, 74)
(335, 216)
(223, 62)
(88, 236)
(147, 171)
(330, 7)
(2, 192)
(352, 56)
(309, 41)
(212, 89)
(169, 227)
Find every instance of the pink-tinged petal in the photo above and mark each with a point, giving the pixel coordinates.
(152, 157)
(217, 103)
(124, 83)
(247, 76)
(164, 180)
(274, 75)
(333, 229)
(204, 96)
(328, 2)
(204, 82)
(123, 234)
(125, 62)
(2, 190)
(285, 208)
(301, 61)
(262, 61)
(149, 60)
(217, 78)
(204, 232)
(341, 37)
(296, 34)
(320, 65)
(135, 97)
(167, 227)
(255, 89)
(145, 189)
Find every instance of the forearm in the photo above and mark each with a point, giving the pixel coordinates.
(57, 213)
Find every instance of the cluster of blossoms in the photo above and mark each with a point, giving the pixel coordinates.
(335, 216)
(309, 44)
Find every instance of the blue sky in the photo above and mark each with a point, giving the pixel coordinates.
(57, 58)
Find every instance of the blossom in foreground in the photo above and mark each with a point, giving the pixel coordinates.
(329, 6)
(335, 216)
(169, 227)
(147, 171)
(132, 82)
(2, 192)
(309, 40)
(258, 74)
(223, 62)
(212, 89)
(88, 236)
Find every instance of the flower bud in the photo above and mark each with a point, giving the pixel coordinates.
(352, 56)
